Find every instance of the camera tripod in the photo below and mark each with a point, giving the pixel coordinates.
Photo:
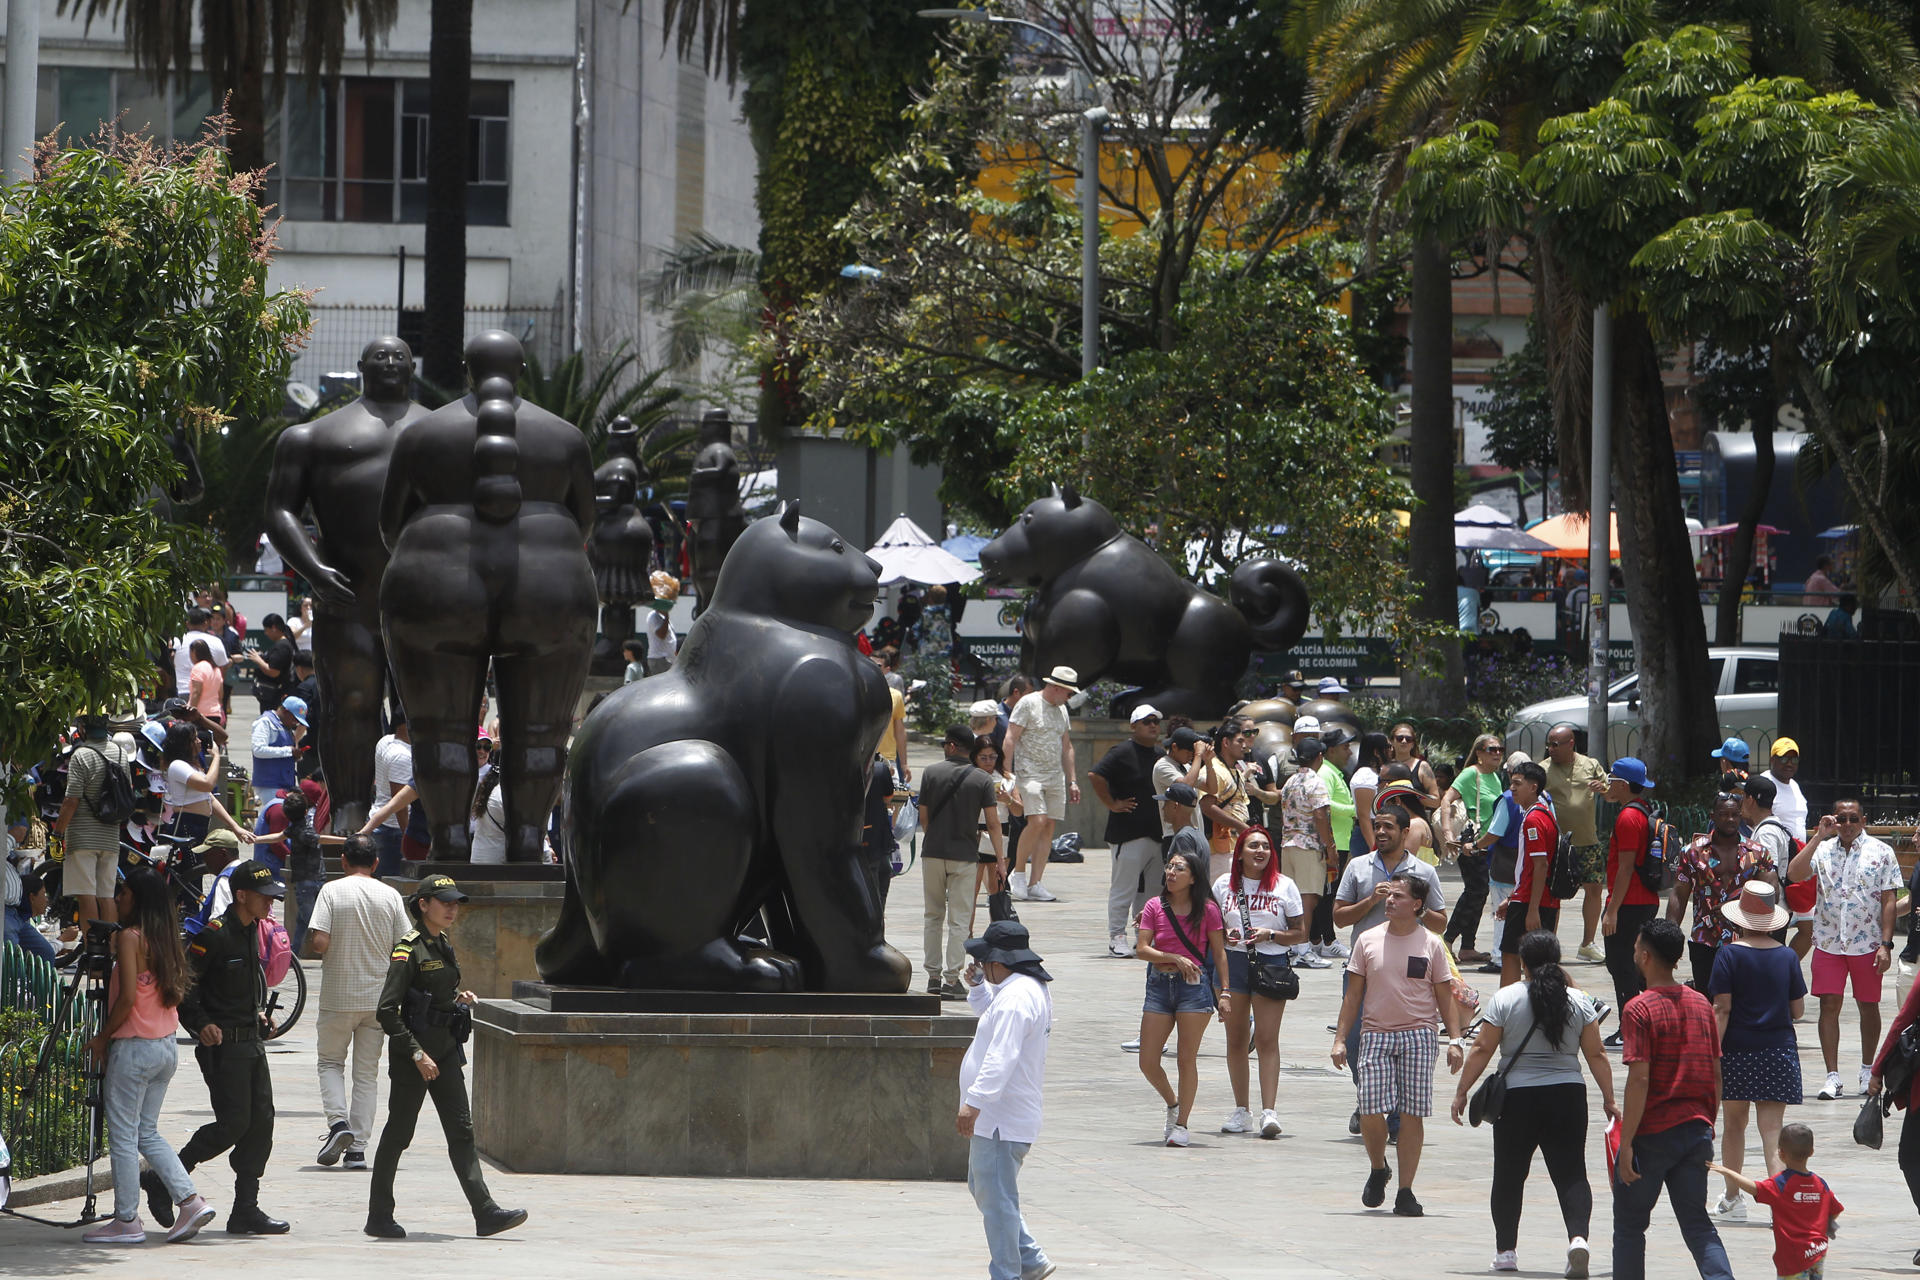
(89, 985)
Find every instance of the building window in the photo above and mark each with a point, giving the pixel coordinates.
(81, 100)
(356, 151)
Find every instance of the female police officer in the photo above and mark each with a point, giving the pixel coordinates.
(426, 1018)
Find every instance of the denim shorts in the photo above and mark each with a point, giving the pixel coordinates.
(1170, 993)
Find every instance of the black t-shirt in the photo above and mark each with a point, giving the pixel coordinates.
(953, 796)
(1128, 770)
(277, 654)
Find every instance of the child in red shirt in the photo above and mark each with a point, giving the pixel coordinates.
(1803, 1206)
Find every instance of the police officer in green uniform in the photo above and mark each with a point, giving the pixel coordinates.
(224, 1007)
(426, 1017)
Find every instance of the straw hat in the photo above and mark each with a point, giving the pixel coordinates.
(1757, 908)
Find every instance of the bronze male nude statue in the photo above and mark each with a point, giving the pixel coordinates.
(337, 465)
(486, 509)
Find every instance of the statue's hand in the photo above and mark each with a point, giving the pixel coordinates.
(332, 586)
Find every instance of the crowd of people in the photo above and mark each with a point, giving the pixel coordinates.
(1710, 943)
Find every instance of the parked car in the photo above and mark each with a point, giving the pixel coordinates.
(1746, 682)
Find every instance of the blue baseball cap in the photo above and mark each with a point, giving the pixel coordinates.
(1630, 769)
(1735, 750)
(295, 707)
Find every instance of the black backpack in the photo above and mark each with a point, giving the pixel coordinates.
(1563, 877)
(115, 803)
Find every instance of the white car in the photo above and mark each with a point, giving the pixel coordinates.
(1746, 682)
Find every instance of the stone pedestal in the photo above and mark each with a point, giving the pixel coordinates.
(509, 908)
(805, 1086)
(1091, 740)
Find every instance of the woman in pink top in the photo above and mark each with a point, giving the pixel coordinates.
(1184, 944)
(149, 978)
(204, 683)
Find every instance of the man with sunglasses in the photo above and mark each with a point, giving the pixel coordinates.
(1852, 928)
(1123, 784)
(1575, 782)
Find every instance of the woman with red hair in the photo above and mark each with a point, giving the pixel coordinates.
(1263, 911)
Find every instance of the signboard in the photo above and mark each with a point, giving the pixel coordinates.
(1347, 656)
(1000, 653)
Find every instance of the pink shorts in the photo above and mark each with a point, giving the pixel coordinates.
(1830, 974)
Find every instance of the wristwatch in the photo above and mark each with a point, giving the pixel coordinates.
(1456, 1043)
(419, 1055)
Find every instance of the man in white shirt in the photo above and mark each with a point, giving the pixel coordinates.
(1000, 1084)
(1789, 802)
(1852, 929)
(1040, 744)
(198, 622)
(356, 923)
(392, 769)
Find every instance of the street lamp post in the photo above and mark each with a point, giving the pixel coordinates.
(23, 82)
(1092, 121)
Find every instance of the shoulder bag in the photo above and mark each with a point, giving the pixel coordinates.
(1491, 1097)
(1269, 977)
(1206, 965)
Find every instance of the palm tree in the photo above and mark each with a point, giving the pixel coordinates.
(449, 97)
(592, 399)
(711, 295)
(237, 39)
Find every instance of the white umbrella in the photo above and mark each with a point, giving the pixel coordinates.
(1471, 537)
(1479, 515)
(905, 551)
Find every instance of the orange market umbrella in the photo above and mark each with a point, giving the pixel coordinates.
(1568, 536)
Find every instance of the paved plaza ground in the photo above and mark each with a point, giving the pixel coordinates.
(1100, 1192)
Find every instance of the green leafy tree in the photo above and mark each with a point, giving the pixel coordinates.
(133, 305)
(1258, 434)
(1519, 409)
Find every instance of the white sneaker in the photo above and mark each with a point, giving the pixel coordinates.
(1017, 886)
(1177, 1136)
(1117, 947)
(1866, 1074)
(1335, 950)
(1269, 1124)
(1130, 1046)
(1591, 953)
(1310, 959)
(1173, 1122)
(1732, 1208)
(1577, 1253)
(1505, 1261)
(1039, 893)
(1831, 1089)
(114, 1231)
(1240, 1120)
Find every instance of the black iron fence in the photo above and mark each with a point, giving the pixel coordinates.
(1849, 704)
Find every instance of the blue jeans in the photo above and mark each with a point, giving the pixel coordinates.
(137, 1075)
(993, 1172)
(1676, 1159)
(387, 841)
(22, 934)
(300, 910)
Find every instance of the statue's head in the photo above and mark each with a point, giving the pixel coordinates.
(800, 570)
(386, 369)
(623, 438)
(1050, 536)
(716, 427)
(494, 354)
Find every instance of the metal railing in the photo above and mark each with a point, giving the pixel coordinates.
(46, 1132)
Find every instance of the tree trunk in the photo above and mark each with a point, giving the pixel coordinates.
(249, 101)
(1434, 681)
(1726, 616)
(1663, 593)
(450, 69)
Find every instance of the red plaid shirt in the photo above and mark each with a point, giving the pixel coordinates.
(1674, 1031)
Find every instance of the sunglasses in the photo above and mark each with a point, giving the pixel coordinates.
(1403, 737)
(1144, 720)
(1847, 822)
(1498, 751)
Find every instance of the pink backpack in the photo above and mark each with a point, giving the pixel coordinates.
(276, 951)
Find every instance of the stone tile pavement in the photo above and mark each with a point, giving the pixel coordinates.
(1102, 1196)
